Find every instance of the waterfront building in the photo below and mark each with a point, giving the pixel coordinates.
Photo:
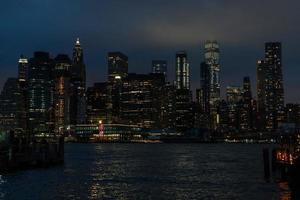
(270, 90)
(40, 93)
(140, 101)
(78, 86)
(62, 75)
(159, 67)
(106, 132)
(182, 71)
(97, 100)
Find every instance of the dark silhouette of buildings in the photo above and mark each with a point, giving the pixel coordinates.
(50, 96)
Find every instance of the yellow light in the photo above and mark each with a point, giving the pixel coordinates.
(100, 121)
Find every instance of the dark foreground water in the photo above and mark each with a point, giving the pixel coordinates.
(149, 171)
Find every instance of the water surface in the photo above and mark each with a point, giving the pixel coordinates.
(149, 171)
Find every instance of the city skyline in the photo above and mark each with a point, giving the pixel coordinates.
(240, 48)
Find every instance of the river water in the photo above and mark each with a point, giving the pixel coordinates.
(149, 171)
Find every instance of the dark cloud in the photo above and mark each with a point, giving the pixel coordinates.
(153, 29)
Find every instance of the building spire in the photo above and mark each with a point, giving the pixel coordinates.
(77, 41)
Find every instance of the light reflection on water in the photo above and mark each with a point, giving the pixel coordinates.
(285, 192)
(153, 171)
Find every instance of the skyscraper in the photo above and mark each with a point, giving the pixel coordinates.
(61, 73)
(40, 93)
(117, 72)
(23, 84)
(212, 58)
(248, 107)
(159, 67)
(270, 91)
(78, 86)
(182, 71)
(23, 70)
(210, 82)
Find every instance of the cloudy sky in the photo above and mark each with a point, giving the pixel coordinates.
(154, 29)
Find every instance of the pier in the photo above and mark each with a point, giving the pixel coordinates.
(21, 152)
(285, 160)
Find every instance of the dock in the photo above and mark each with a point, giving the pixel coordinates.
(31, 152)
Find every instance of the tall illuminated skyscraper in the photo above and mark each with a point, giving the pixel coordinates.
(212, 58)
(270, 90)
(182, 71)
(78, 86)
(210, 82)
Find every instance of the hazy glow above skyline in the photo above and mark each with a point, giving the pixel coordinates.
(149, 30)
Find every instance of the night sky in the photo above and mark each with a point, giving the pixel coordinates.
(154, 29)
